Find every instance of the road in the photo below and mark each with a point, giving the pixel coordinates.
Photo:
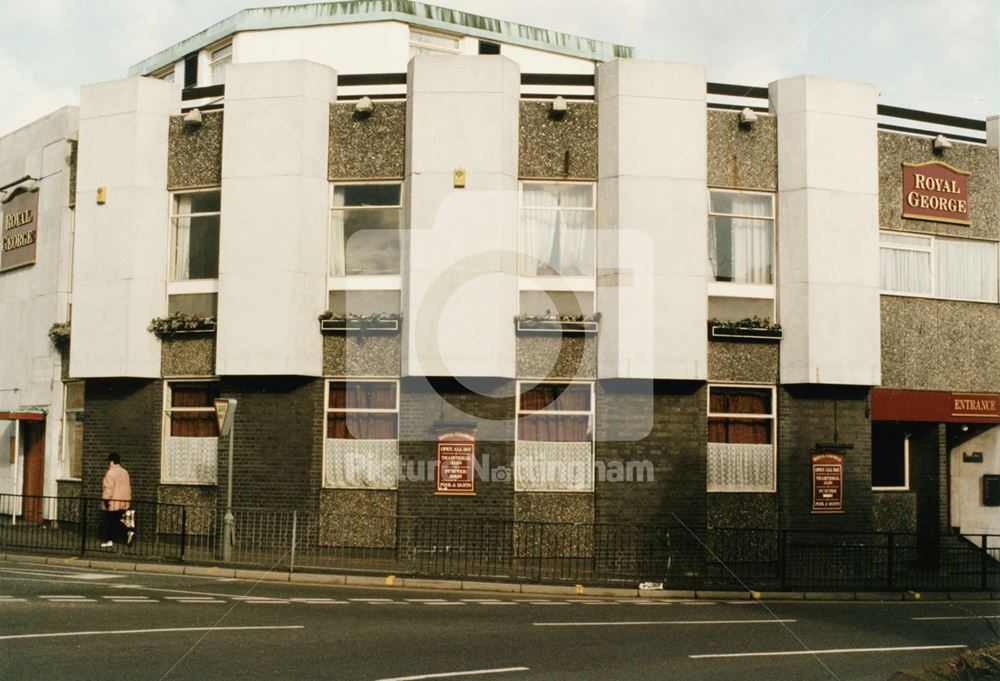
(71, 623)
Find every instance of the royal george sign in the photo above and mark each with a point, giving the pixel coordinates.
(456, 464)
(935, 191)
(20, 231)
(827, 482)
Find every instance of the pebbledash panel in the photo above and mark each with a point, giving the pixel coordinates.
(623, 321)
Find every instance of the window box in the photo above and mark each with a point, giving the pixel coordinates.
(738, 333)
(546, 326)
(180, 323)
(359, 325)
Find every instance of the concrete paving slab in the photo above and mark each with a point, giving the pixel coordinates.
(723, 595)
(548, 589)
(780, 596)
(365, 580)
(262, 575)
(501, 587)
(112, 565)
(204, 571)
(609, 592)
(829, 595)
(666, 593)
(310, 578)
(442, 584)
(161, 569)
(878, 596)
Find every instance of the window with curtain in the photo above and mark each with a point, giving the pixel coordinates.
(218, 61)
(365, 229)
(741, 439)
(555, 433)
(940, 267)
(195, 235)
(73, 430)
(557, 229)
(428, 42)
(362, 426)
(190, 452)
(741, 236)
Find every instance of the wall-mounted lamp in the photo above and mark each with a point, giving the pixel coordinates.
(19, 186)
(747, 118)
(364, 107)
(192, 118)
(965, 428)
(941, 143)
(559, 109)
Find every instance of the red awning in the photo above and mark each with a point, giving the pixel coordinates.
(22, 416)
(935, 406)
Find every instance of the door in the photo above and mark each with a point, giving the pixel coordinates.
(33, 438)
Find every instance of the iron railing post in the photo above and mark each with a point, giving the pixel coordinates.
(782, 558)
(984, 555)
(890, 559)
(83, 525)
(295, 527)
(183, 530)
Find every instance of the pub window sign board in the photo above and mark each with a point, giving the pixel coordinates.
(827, 482)
(456, 464)
(20, 230)
(935, 191)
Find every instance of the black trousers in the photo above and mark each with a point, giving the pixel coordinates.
(112, 528)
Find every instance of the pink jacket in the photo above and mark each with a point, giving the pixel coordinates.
(116, 488)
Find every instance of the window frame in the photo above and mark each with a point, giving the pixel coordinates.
(431, 48)
(733, 289)
(166, 411)
(327, 410)
(555, 282)
(211, 61)
(772, 417)
(206, 285)
(592, 428)
(362, 282)
(932, 251)
(906, 469)
(67, 459)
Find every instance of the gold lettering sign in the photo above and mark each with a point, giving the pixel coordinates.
(20, 232)
(935, 191)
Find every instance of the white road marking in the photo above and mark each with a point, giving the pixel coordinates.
(90, 576)
(59, 596)
(642, 623)
(71, 600)
(495, 603)
(144, 631)
(474, 672)
(425, 600)
(323, 601)
(190, 598)
(269, 601)
(545, 602)
(829, 651)
(11, 599)
(957, 617)
(445, 603)
(371, 600)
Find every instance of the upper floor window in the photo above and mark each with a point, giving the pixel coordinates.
(219, 60)
(741, 439)
(557, 229)
(195, 235)
(364, 229)
(940, 267)
(428, 42)
(741, 236)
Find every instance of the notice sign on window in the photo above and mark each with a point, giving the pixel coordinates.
(828, 482)
(456, 464)
(935, 191)
(20, 230)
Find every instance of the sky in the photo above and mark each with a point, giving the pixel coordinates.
(934, 55)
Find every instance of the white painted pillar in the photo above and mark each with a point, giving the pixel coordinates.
(460, 279)
(652, 220)
(275, 217)
(828, 267)
(120, 266)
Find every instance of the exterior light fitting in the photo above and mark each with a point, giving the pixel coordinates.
(747, 117)
(559, 108)
(193, 118)
(364, 107)
(941, 142)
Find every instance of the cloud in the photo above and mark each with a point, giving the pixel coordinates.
(33, 100)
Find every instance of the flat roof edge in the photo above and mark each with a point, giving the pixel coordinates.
(360, 11)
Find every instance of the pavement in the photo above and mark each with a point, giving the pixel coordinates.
(68, 619)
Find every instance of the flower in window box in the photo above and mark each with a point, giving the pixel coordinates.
(179, 322)
(749, 328)
(59, 335)
(552, 323)
(386, 322)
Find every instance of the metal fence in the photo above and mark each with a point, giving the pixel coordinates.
(485, 548)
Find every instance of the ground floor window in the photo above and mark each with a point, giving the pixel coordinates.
(191, 436)
(362, 434)
(890, 456)
(73, 430)
(741, 427)
(555, 437)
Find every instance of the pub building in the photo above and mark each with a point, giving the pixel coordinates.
(404, 237)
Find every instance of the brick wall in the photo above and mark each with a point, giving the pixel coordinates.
(122, 415)
(810, 414)
(675, 444)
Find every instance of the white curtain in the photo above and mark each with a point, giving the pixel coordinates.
(338, 265)
(576, 230)
(905, 271)
(966, 269)
(182, 239)
(752, 239)
(538, 229)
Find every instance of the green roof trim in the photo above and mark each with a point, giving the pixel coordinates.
(358, 11)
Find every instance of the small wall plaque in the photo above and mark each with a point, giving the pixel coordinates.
(974, 457)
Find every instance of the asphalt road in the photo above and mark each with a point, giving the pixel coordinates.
(66, 623)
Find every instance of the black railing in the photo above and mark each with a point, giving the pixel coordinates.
(673, 554)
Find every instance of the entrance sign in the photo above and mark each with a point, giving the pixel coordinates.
(19, 229)
(827, 482)
(456, 464)
(225, 411)
(935, 191)
(929, 406)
